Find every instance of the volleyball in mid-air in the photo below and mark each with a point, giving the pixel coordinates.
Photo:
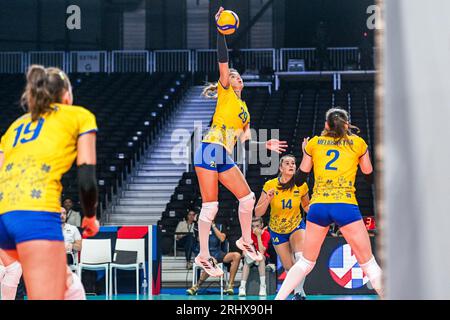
(228, 22)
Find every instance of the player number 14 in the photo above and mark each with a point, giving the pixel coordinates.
(287, 204)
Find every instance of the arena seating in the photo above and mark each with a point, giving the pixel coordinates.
(130, 109)
(298, 110)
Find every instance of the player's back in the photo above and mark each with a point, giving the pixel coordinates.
(37, 154)
(335, 165)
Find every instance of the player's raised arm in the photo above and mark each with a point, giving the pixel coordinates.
(222, 56)
(305, 166)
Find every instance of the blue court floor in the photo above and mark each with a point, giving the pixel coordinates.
(179, 294)
(218, 297)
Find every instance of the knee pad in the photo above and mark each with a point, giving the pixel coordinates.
(305, 265)
(2, 272)
(12, 275)
(247, 203)
(209, 211)
(373, 272)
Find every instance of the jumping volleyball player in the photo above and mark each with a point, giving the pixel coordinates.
(37, 149)
(335, 155)
(286, 226)
(213, 162)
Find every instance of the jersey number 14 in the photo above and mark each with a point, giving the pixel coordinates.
(287, 205)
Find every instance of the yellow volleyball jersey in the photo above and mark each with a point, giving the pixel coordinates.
(230, 117)
(285, 213)
(335, 166)
(37, 154)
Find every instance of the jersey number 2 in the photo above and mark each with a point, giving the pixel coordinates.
(35, 132)
(336, 156)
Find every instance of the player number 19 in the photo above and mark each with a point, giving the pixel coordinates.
(27, 131)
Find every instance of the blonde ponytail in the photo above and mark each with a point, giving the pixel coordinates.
(210, 91)
(44, 87)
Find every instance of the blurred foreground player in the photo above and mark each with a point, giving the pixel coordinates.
(36, 150)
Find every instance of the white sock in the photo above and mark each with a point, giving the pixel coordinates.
(262, 280)
(295, 275)
(11, 280)
(299, 289)
(2, 272)
(203, 234)
(243, 283)
(75, 290)
(374, 273)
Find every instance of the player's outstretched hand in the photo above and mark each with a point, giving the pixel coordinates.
(304, 143)
(218, 13)
(90, 226)
(276, 145)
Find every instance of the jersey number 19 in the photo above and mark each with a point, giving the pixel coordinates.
(34, 132)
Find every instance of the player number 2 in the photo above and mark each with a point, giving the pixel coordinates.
(27, 131)
(336, 156)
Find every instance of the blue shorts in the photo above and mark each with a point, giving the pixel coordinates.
(21, 226)
(325, 214)
(280, 238)
(213, 157)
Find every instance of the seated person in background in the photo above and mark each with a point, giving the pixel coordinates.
(72, 238)
(186, 240)
(73, 217)
(216, 238)
(261, 239)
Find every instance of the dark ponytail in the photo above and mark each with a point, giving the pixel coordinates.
(337, 119)
(44, 87)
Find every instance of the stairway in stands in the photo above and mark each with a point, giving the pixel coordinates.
(148, 189)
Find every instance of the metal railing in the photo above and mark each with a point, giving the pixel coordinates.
(130, 61)
(340, 58)
(172, 61)
(205, 60)
(12, 62)
(48, 58)
(259, 58)
(307, 54)
(202, 60)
